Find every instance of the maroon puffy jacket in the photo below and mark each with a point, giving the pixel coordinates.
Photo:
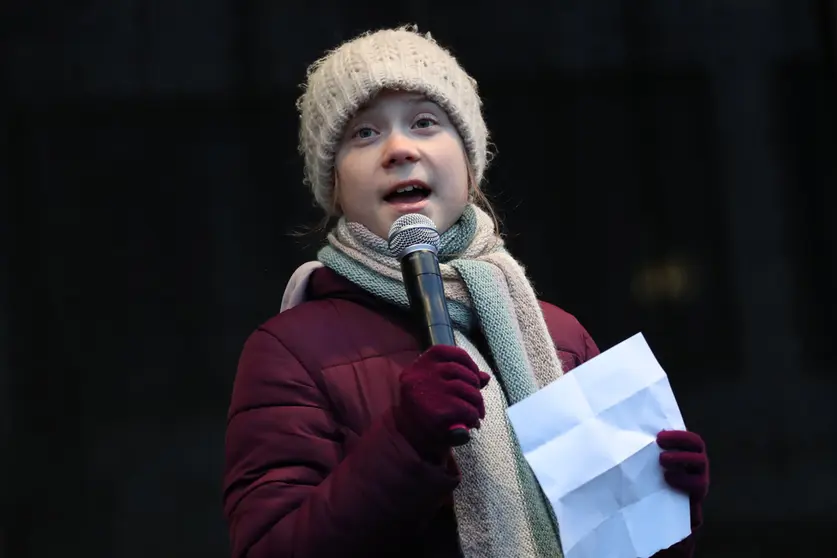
(314, 464)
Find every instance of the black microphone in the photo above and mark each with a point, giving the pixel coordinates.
(414, 241)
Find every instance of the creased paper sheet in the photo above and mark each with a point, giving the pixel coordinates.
(590, 438)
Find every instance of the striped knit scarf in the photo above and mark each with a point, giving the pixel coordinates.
(500, 509)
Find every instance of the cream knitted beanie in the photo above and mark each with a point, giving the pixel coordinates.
(347, 77)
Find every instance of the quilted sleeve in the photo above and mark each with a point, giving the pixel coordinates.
(288, 488)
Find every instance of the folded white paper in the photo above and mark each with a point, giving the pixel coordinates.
(590, 439)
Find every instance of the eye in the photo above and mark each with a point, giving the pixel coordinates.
(425, 122)
(363, 133)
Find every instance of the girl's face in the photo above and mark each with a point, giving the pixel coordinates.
(401, 154)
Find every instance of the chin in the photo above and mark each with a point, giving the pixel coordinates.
(441, 219)
(429, 210)
(432, 212)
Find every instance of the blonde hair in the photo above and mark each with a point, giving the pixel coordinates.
(478, 197)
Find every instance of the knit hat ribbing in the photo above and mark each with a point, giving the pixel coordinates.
(349, 76)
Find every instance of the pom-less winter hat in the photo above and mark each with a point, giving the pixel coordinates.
(349, 76)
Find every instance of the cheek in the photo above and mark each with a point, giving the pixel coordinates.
(462, 179)
(347, 171)
(454, 166)
(344, 168)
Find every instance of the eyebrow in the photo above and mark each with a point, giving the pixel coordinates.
(418, 99)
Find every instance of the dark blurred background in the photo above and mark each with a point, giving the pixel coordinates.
(666, 167)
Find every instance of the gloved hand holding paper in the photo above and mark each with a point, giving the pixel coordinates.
(590, 438)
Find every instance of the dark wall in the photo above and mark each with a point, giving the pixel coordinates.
(664, 167)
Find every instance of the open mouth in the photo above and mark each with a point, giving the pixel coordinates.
(412, 193)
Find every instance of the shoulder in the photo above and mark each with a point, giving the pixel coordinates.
(572, 341)
(331, 332)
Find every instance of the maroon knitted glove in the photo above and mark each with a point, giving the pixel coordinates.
(440, 389)
(686, 466)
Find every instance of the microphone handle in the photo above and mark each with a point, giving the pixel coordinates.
(426, 293)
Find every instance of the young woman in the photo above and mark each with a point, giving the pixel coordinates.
(337, 440)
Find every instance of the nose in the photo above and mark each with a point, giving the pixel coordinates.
(399, 150)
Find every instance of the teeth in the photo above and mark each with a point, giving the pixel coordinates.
(408, 189)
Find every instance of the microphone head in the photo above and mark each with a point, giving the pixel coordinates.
(411, 232)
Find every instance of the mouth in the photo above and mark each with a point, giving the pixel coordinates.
(408, 192)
